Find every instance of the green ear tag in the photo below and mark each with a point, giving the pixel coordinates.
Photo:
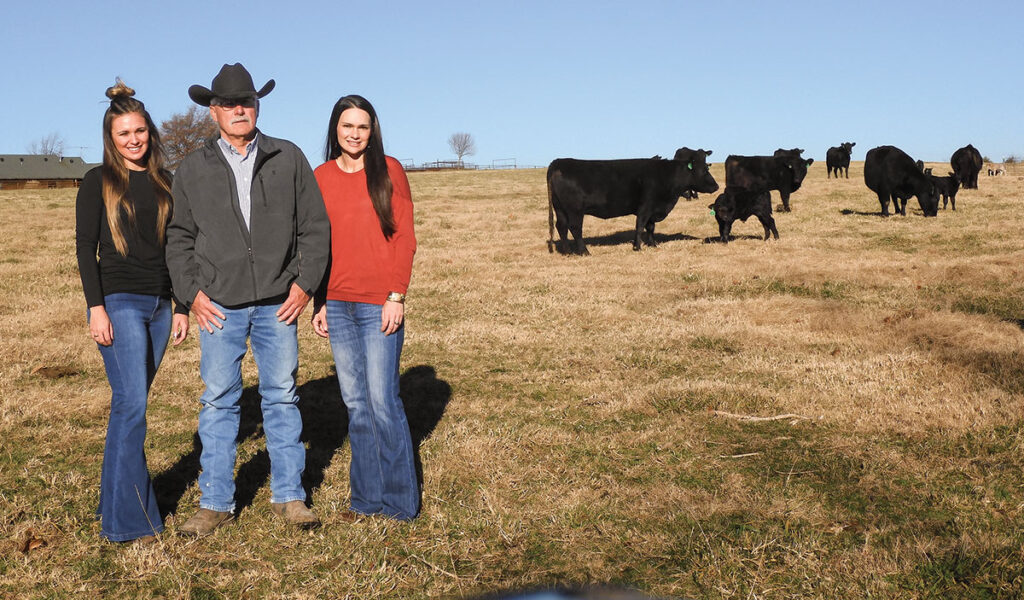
(712, 212)
(689, 166)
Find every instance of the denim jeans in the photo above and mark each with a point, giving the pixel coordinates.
(141, 324)
(275, 348)
(382, 475)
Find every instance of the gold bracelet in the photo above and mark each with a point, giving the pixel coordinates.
(396, 297)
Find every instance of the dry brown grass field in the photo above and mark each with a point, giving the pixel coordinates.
(581, 420)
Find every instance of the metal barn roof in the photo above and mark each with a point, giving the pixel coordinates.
(42, 166)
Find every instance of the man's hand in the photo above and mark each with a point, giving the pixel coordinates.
(293, 306)
(206, 313)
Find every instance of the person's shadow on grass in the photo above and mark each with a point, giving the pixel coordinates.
(324, 428)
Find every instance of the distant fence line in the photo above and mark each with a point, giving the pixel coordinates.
(444, 165)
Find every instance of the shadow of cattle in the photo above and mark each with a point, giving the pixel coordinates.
(910, 211)
(849, 211)
(717, 239)
(625, 237)
(324, 429)
(859, 213)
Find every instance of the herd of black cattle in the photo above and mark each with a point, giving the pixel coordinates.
(650, 187)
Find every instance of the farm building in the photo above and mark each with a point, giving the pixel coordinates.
(41, 171)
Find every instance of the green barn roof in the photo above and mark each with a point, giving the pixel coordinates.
(42, 166)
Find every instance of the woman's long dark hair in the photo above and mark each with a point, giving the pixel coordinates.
(378, 182)
(115, 174)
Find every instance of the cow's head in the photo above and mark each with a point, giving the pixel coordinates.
(724, 207)
(847, 147)
(797, 169)
(694, 173)
(686, 154)
(928, 200)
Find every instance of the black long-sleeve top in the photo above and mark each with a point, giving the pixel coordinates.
(143, 270)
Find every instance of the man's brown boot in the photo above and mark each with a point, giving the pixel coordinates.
(204, 522)
(295, 513)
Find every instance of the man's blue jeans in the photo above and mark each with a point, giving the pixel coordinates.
(142, 324)
(382, 475)
(276, 351)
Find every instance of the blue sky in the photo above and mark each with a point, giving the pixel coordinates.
(537, 80)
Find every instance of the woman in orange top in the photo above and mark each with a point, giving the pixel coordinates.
(361, 306)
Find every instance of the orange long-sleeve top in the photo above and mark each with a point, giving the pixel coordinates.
(366, 266)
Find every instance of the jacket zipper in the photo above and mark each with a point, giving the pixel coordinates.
(246, 235)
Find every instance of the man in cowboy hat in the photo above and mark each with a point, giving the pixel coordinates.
(247, 245)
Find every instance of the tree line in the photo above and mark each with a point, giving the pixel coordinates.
(184, 132)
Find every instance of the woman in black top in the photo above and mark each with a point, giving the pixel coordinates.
(122, 212)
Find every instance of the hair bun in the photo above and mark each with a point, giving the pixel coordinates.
(119, 90)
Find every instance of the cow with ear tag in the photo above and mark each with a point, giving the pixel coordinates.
(784, 172)
(646, 187)
(837, 159)
(688, 155)
(740, 203)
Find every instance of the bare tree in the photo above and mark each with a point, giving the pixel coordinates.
(184, 132)
(48, 144)
(462, 144)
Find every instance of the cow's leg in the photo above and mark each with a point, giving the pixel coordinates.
(576, 228)
(785, 200)
(562, 226)
(952, 200)
(650, 234)
(562, 246)
(641, 224)
(883, 199)
(768, 222)
(847, 169)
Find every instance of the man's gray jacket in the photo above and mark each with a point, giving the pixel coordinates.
(208, 245)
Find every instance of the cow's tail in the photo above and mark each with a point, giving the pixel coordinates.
(551, 219)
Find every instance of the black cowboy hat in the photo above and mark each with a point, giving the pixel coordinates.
(232, 83)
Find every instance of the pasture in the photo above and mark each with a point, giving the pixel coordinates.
(836, 414)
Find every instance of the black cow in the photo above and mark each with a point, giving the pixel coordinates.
(791, 152)
(784, 172)
(838, 157)
(947, 187)
(892, 174)
(966, 163)
(687, 154)
(646, 187)
(739, 203)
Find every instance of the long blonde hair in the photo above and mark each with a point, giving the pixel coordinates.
(115, 173)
